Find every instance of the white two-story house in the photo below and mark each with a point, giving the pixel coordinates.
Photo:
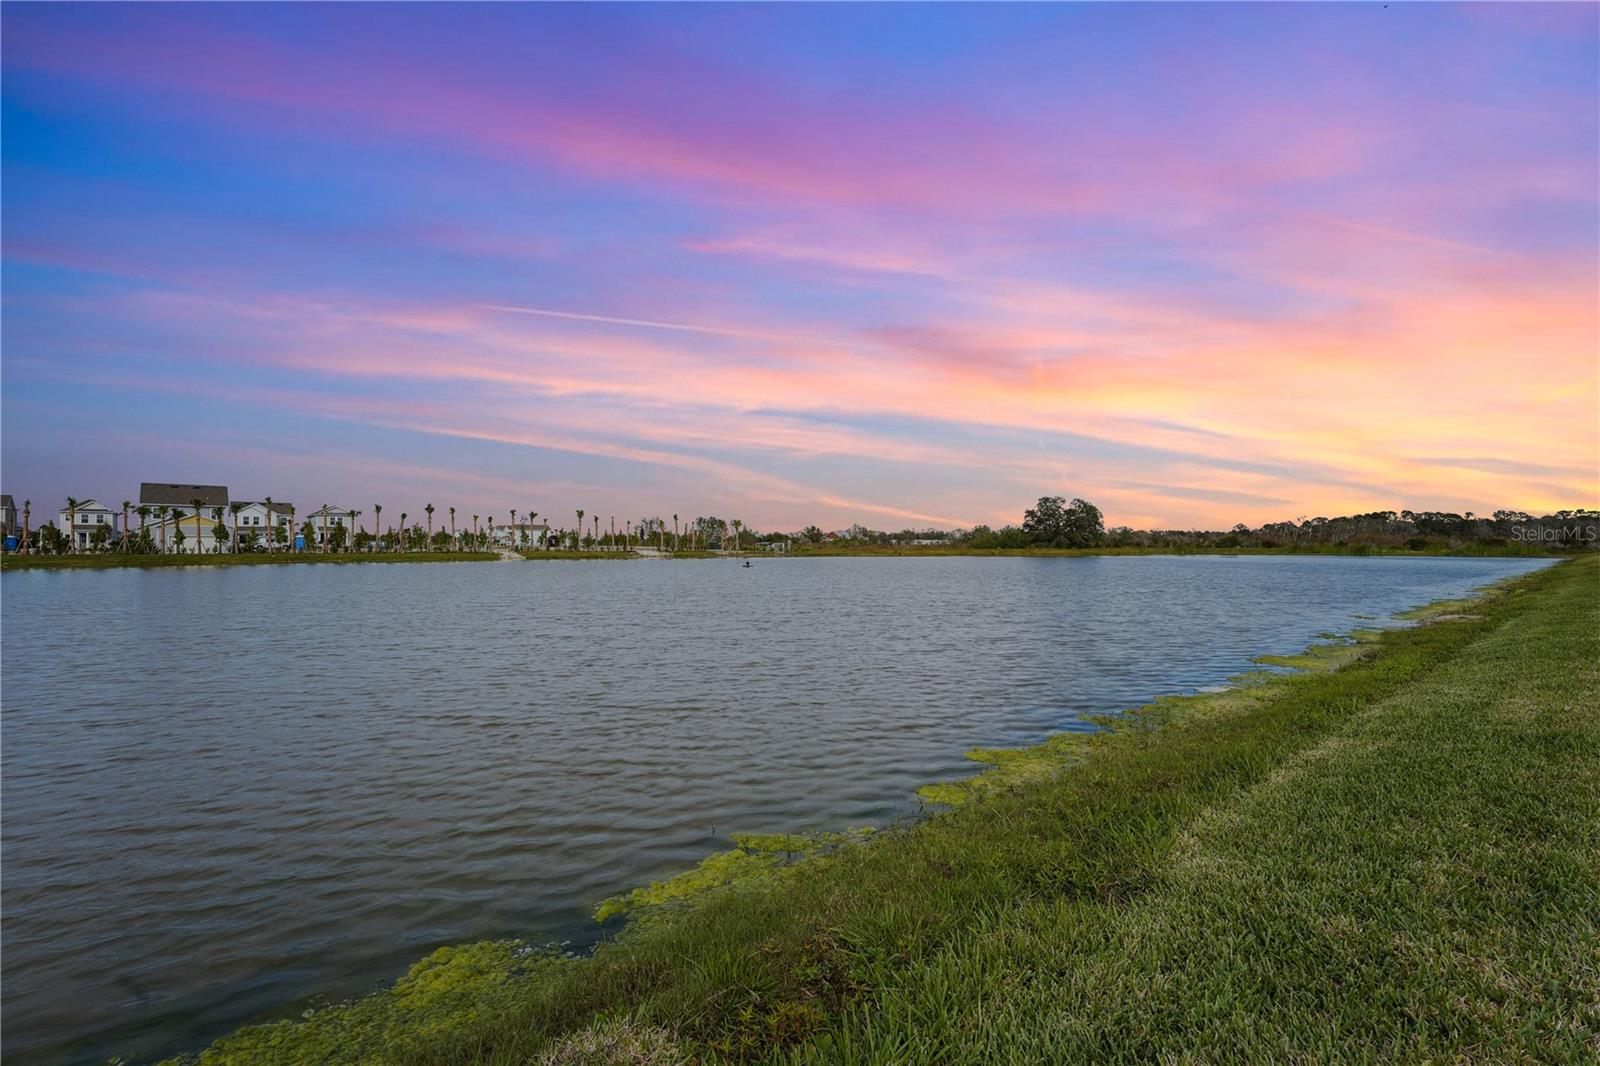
(324, 518)
(79, 524)
(256, 517)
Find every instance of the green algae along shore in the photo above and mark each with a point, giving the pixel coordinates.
(1387, 849)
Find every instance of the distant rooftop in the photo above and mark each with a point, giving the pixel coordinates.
(278, 506)
(169, 495)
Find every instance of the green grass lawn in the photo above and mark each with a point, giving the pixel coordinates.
(1398, 860)
(113, 561)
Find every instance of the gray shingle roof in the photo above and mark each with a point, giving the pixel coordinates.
(278, 506)
(159, 493)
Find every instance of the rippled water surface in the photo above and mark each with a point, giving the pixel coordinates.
(227, 790)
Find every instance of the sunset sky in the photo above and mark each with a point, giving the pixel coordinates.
(899, 265)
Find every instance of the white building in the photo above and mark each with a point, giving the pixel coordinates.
(80, 523)
(324, 518)
(505, 535)
(256, 517)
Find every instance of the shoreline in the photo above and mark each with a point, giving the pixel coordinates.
(113, 561)
(1473, 551)
(157, 562)
(450, 1004)
(1012, 767)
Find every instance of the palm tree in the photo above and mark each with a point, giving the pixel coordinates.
(144, 517)
(737, 525)
(475, 532)
(272, 524)
(676, 543)
(429, 509)
(455, 545)
(531, 516)
(72, 523)
(596, 530)
(235, 507)
(125, 523)
(400, 540)
(513, 527)
(161, 513)
(27, 512)
(613, 532)
(351, 544)
(377, 519)
(325, 545)
(490, 530)
(196, 504)
(576, 537)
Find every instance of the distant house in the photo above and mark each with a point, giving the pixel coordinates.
(201, 541)
(505, 535)
(80, 523)
(256, 517)
(324, 518)
(8, 512)
(180, 501)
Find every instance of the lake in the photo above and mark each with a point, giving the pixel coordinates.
(229, 790)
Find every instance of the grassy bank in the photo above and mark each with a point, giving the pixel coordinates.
(111, 562)
(1395, 860)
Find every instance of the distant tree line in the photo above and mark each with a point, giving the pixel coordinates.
(1413, 530)
(1055, 522)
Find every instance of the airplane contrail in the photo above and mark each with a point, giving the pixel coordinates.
(651, 323)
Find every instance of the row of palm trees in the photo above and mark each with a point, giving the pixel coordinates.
(523, 533)
(577, 538)
(127, 541)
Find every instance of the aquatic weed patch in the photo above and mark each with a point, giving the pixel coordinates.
(442, 1006)
(754, 856)
(1333, 654)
